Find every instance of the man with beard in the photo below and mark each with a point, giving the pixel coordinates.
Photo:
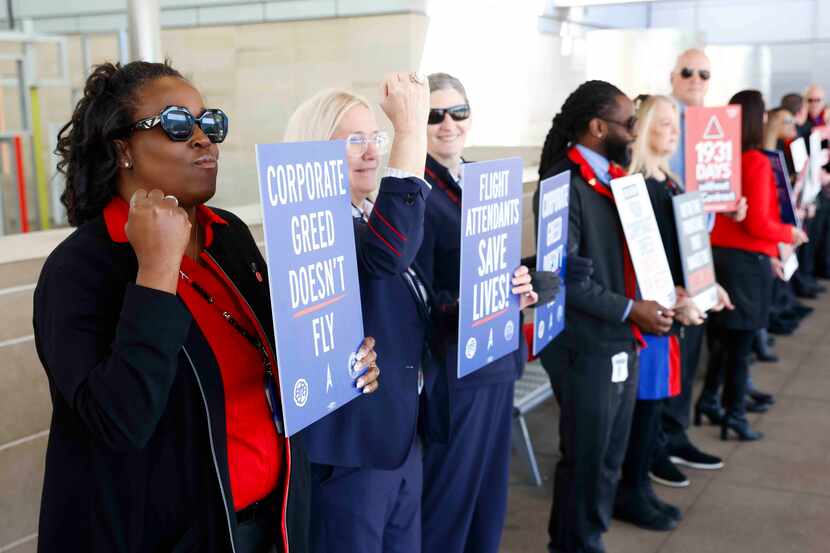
(593, 364)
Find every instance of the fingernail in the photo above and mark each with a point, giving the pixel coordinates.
(360, 382)
(366, 391)
(361, 353)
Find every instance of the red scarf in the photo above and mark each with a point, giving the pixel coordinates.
(591, 178)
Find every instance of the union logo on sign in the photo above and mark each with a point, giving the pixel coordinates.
(714, 130)
(301, 392)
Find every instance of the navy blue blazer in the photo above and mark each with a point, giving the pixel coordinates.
(440, 260)
(378, 430)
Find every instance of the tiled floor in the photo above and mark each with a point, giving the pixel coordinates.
(772, 496)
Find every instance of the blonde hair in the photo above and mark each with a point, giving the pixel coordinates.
(318, 117)
(643, 158)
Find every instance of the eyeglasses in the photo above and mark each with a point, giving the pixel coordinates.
(688, 73)
(358, 143)
(814, 100)
(458, 113)
(177, 123)
(629, 124)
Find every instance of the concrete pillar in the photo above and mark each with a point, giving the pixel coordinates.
(144, 30)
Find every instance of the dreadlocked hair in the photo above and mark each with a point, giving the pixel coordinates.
(592, 99)
(86, 148)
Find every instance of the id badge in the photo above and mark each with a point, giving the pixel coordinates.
(619, 367)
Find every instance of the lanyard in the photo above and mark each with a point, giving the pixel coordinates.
(268, 374)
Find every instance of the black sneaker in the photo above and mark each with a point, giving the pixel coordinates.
(664, 472)
(692, 457)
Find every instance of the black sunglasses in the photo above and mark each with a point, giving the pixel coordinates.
(629, 124)
(458, 113)
(177, 123)
(814, 100)
(687, 73)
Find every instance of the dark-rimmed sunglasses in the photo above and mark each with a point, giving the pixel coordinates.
(629, 124)
(688, 73)
(458, 113)
(177, 123)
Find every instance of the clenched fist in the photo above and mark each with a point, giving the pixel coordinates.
(159, 232)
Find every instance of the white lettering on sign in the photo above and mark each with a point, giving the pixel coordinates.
(299, 182)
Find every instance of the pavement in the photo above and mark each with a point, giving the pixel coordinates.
(772, 495)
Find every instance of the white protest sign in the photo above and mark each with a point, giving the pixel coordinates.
(644, 242)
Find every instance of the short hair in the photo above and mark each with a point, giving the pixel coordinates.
(590, 100)
(792, 102)
(752, 118)
(317, 117)
(643, 159)
(443, 81)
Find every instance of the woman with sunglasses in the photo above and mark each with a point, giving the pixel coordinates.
(366, 458)
(153, 323)
(465, 480)
(742, 253)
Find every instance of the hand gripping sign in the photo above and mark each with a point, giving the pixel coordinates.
(713, 155)
(491, 242)
(312, 273)
(551, 250)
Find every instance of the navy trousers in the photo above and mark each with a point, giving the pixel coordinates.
(465, 481)
(363, 510)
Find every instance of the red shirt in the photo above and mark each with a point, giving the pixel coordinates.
(256, 452)
(762, 229)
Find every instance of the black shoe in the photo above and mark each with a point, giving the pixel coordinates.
(753, 406)
(805, 292)
(667, 509)
(802, 310)
(692, 457)
(740, 426)
(781, 328)
(710, 409)
(634, 507)
(761, 397)
(664, 472)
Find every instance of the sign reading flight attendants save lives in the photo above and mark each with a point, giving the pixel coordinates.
(551, 249)
(491, 242)
(713, 155)
(695, 250)
(312, 273)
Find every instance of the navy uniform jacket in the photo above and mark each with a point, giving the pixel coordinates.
(440, 261)
(593, 312)
(377, 430)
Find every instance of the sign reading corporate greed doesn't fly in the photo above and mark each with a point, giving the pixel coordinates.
(312, 272)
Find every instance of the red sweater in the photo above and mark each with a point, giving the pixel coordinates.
(762, 229)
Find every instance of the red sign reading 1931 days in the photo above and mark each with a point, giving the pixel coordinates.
(713, 155)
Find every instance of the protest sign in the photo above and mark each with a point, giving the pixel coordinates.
(695, 250)
(312, 273)
(551, 248)
(713, 155)
(798, 149)
(643, 238)
(786, 196)
(491, 233)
